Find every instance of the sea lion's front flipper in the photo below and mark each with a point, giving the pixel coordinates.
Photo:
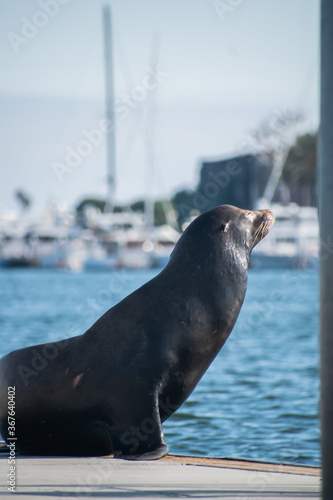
(150, 453)
(142, 435)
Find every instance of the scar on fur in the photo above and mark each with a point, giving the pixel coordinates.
(77, 380)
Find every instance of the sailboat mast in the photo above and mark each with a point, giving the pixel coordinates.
(150, 140)
(110, 114)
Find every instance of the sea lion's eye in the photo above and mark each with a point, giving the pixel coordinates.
(248, 216)
(224, 228)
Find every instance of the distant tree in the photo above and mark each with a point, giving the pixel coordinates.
(138, 206)
(301, 163)
(159, 211)
(183, 202)
(90, 202)
(296, 179)
(24, 199)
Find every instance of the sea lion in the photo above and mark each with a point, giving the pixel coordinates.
(109, 390)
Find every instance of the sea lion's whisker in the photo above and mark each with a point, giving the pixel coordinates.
(261, 230)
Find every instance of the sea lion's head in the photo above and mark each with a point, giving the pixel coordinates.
(245, 226)
(224, 232)
(213, 254)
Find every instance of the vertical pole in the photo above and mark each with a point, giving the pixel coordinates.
(150, 140)
(326, 238)
(110, 115)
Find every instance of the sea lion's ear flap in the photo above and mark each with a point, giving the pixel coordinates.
(224, 227)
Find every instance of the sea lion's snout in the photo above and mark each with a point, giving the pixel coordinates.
(263, 221)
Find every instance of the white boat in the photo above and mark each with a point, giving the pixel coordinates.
(15, 251)
(148, 247)
(132, 244)
(164, 240)
(83, 251)
(293, 240)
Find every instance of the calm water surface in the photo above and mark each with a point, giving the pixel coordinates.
(259, 398)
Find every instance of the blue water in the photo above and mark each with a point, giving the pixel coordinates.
(259, 398)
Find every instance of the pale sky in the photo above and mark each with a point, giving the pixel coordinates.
(224, 66)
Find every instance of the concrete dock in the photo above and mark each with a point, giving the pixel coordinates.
(172, 477)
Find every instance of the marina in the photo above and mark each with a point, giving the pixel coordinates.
(123, 240)
(106, 241)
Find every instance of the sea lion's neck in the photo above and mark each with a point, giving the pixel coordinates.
(207, 300)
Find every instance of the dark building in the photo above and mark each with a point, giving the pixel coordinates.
(305, 195)
(238, 181)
